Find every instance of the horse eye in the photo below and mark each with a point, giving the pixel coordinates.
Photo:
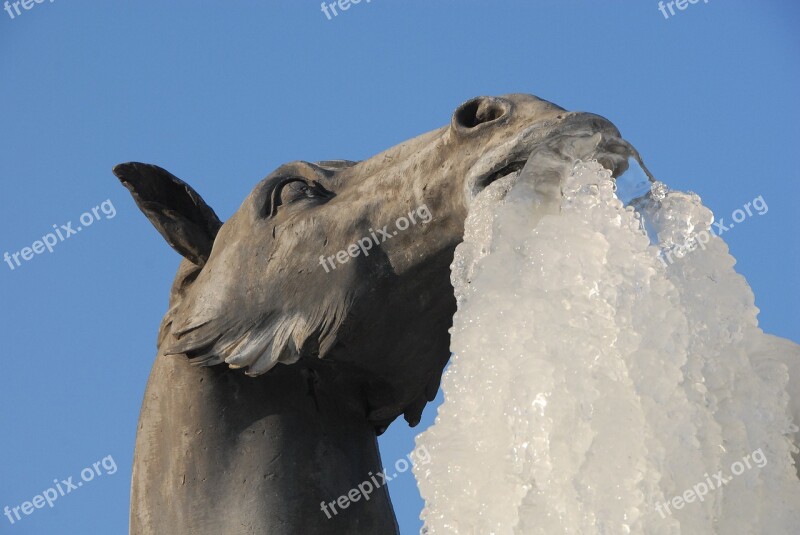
(294, 191)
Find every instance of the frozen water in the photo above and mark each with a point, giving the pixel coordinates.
(592, 382)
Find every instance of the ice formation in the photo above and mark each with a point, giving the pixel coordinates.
(594, 387)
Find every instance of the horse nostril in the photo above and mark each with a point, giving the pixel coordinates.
(478, 111)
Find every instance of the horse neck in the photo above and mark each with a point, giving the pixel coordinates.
(217, 450)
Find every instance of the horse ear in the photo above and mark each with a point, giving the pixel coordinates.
(176, 210)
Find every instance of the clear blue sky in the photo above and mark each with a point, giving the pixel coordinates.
(220, 93)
